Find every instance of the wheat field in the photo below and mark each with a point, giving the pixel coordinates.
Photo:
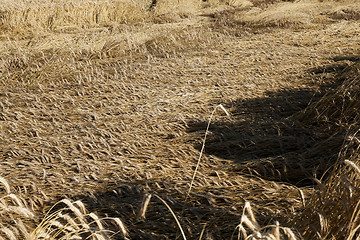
(179, 119)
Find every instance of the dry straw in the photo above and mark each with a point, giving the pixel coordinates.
(73, 222)
(203, 146)
(173, 214)
(144, 206)
(249, 228)
(76, 69)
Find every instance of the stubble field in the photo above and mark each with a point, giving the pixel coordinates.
(229, 119)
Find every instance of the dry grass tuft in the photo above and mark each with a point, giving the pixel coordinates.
(14, 209)
(23, 19)
(338, 109)
(290, 14)
(73, 222)
(69, 222)
(249, 228)
(282, 15)
(331, 212)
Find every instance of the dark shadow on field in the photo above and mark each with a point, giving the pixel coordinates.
(124, 201)
(270, 137)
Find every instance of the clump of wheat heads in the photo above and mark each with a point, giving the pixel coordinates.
(333, 212)
(13, 210)
(73, 222)
(70, 220)
(249, 228)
